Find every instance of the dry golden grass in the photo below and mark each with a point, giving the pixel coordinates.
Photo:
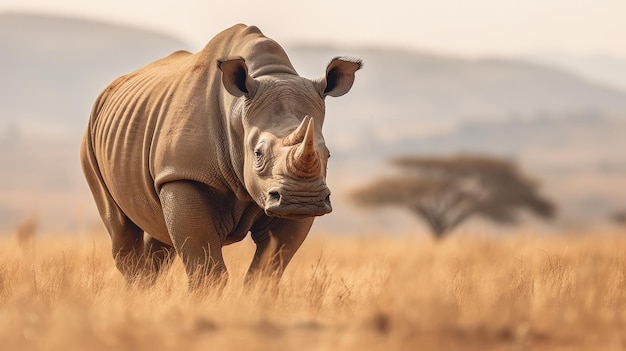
(340, 293)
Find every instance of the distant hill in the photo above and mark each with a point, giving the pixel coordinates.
(600, 68)
(53, 68)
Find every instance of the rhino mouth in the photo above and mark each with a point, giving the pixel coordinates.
(296, 205)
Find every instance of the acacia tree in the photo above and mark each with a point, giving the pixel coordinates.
(444, 192)
(619, 217)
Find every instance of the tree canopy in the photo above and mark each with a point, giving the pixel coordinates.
(445, 191)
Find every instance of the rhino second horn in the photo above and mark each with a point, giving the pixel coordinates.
(297, 135)
(303, 160)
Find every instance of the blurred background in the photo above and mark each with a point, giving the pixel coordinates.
(538, 84)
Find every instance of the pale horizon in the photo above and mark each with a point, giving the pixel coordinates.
(450, 27)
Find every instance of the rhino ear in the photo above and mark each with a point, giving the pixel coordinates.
(340, 76)
(235, 77)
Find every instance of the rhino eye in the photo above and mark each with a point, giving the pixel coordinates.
(259, 158)
(258, 155)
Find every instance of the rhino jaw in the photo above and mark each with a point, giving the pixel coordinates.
(296, 205)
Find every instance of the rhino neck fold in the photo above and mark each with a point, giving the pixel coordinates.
(233, 170)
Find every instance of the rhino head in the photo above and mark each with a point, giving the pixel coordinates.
(280, 117)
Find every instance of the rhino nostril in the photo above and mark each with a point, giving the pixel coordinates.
(274, 196)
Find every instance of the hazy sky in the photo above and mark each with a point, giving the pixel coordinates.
(466, 27)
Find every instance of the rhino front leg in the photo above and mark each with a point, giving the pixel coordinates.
(276, 247)
(189, 217)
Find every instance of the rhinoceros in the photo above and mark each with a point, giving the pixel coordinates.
(194, 151)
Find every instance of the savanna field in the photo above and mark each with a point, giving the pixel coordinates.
(466, 292)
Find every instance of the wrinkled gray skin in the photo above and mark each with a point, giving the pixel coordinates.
(197, 150)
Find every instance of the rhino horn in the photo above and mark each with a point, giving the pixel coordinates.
(303, 160)
(297, 135)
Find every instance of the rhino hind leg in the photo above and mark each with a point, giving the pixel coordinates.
(159, 255)
(126, 236)
(139, 261)
(128, 248)
(126, 239)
